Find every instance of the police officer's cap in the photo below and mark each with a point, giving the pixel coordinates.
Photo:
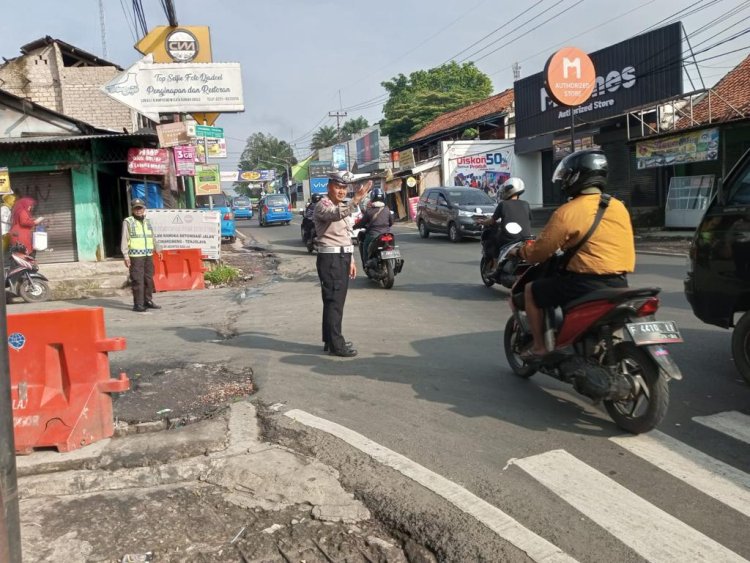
(342, 177)
(137, 202)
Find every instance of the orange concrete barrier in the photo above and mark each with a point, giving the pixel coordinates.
(60, 379)
(178, 270)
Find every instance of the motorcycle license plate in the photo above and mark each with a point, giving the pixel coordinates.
(654, 332)
(385, 254)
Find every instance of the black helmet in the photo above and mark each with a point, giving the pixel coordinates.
(580, 170)
(316, 197)
(137, 202)
(377, 195)
(511, 187)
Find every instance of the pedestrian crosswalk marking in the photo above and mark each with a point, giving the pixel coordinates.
(536, 547)
(731, 423)
(654, 534)
(711, 476)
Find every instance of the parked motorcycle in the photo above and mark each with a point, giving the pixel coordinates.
(505, 265)
(22, 277)
(384, 259)
(608, 344)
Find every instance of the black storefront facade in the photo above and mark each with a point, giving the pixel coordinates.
(635, 73)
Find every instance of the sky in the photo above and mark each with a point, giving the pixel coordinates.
(302, 59)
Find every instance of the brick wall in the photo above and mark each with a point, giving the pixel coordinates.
(35, 77)
(82, 98)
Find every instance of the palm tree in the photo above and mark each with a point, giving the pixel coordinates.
(353, 126)
(324, 137)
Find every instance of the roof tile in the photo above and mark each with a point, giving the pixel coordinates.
(732, 89)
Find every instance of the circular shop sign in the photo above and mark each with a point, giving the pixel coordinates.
(181, 45)
(569, 77)
(411, 181)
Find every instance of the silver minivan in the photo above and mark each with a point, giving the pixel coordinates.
(453, 210)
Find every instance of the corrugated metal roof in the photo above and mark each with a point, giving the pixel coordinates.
(71, 138)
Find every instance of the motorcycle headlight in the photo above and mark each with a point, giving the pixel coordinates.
(462, 213)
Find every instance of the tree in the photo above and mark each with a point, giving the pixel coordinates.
(324, 137)
(265, 152)
(416, 100)
(353, 126)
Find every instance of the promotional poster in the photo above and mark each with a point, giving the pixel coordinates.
(485, 165)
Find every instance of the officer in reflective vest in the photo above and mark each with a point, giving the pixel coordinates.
(138, 247)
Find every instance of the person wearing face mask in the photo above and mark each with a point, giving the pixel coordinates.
(138, 247)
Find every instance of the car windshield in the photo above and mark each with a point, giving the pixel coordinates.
(469, 197)
(277, 200)
(241, 201)
(219, 200)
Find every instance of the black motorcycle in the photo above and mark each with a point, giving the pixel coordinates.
(309, 237)
(505, 266)
(383, 260)
(22, 277)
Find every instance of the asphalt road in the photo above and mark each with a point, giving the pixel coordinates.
(431, 383)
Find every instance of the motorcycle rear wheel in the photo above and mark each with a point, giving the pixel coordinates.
(513, 349)
(644, 411)
(34, 291)
(390, 276)
(485, 271)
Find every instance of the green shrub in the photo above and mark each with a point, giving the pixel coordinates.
(221, 274)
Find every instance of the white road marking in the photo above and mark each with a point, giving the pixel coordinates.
(711, 476)
(731, 423)
(536, 547)
(648, 530)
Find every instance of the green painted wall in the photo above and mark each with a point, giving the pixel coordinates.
(88, 218)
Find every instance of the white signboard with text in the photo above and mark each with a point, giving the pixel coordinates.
(176, 229)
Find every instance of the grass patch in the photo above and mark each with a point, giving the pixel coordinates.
(222, 274)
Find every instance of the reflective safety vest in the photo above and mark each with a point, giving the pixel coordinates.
(140, 237)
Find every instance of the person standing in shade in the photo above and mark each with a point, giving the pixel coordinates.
(334, 263)
(138, 247)
(23, 223)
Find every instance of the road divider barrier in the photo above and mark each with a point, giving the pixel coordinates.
(178, 270)
(60, 378)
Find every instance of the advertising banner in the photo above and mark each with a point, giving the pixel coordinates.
(5, 181)
(176, 229)
(319, 168)
(184, 160)
(641, 70)
(678, 149)
(217, 148)
(172, 134)
(229, 176)
(207, 179)
(477, 164)
(340, 161)
(368, 148)
(256, 175)
(318, 185)
(148, 161)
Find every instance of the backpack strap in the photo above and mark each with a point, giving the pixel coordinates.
(604, 200)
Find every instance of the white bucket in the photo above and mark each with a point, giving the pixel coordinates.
(39, 240)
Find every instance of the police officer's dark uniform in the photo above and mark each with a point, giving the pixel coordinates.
(334, 262)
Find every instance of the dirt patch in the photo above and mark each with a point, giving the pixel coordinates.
(257, 265)
(183, 394)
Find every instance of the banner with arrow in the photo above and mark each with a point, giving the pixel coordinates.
(153, 88)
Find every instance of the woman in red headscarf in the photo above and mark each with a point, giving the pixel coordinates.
(23, 222)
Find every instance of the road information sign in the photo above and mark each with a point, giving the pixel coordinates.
(176, 229)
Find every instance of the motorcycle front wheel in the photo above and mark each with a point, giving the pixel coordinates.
(34, 290)
(390, 275)
(648, 403)
(514, 341)
(485, 270)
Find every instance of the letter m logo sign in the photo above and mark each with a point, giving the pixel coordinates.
(568, 64)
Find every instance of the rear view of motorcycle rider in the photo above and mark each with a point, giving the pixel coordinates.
(512, 217)
(307, 219)
(376, 220)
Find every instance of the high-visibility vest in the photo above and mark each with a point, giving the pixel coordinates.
(140, 237)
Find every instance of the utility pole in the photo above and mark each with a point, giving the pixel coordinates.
(104, 29)
(338, 115)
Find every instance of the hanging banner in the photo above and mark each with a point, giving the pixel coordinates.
(207, 179)
(148, 161)
(678, 149)
(477, 164)
(5, 181)
(172, 134)
(184, 159)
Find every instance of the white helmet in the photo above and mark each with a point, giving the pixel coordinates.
(511, 187)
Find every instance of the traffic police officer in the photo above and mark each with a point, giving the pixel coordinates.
(334, 263)
(138, 246)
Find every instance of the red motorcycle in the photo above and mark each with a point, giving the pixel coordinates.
(608, 344)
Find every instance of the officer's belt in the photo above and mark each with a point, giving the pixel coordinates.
(336, 249)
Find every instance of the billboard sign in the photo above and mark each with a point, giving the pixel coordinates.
(695, 146)
(477, 164)
(641, 70)
(176, 229)
(340, 161)
(319, 168)
(318, 185)
(148, 161)
(207, 179)
(368, 148)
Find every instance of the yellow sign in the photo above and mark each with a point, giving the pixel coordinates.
(180, 45)
(5, 181)
(250, 176)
